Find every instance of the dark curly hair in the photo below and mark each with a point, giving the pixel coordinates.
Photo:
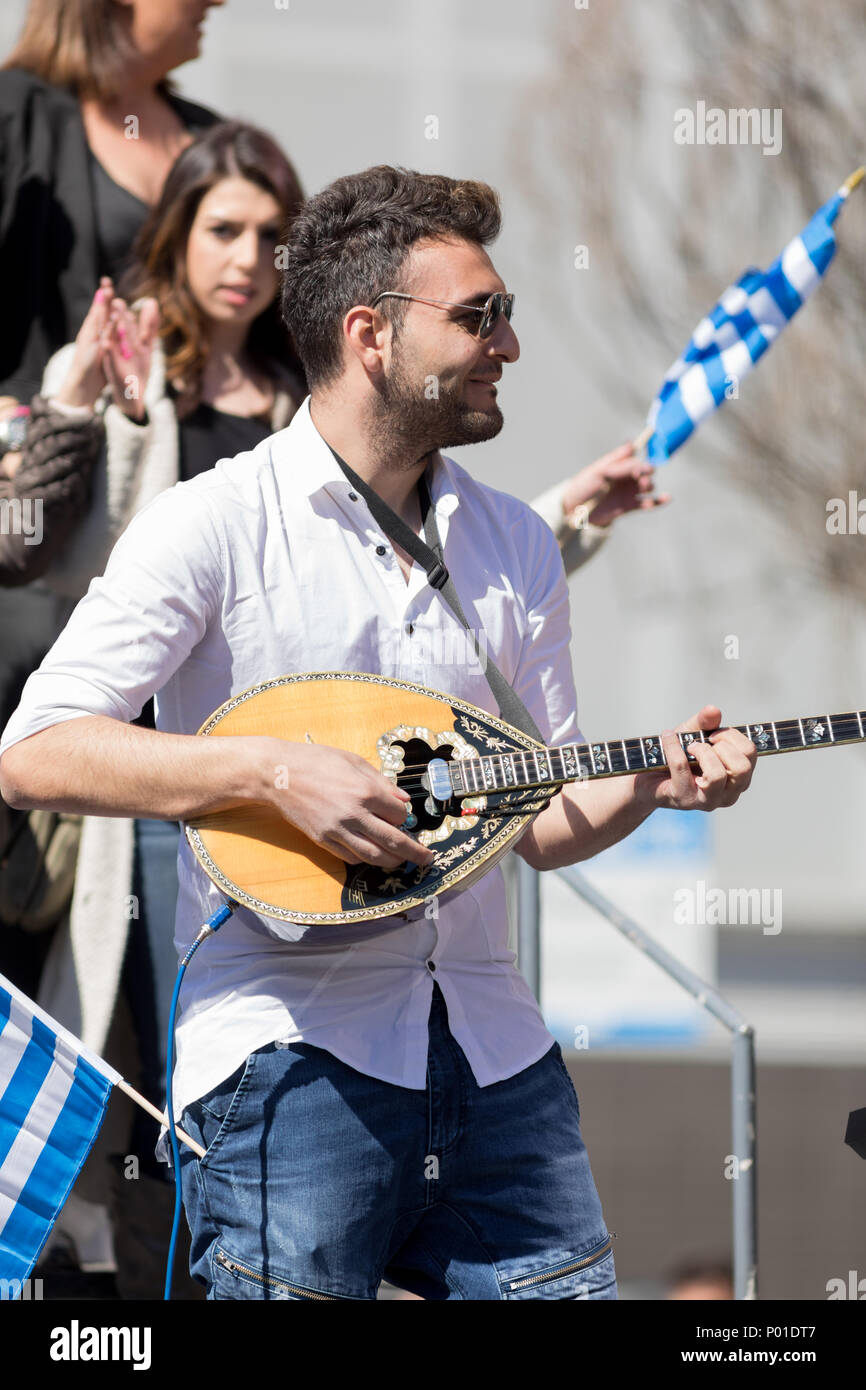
(350, 242)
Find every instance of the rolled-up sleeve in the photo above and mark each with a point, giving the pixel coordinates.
(136, 624)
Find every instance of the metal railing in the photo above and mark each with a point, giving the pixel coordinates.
(743, 1115)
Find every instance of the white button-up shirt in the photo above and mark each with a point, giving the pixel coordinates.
(270, 564)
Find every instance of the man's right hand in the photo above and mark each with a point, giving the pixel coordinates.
(98, 766)
(343, 804)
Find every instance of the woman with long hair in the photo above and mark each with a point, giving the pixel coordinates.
(193, 365)
(200, 367)
(90, 126)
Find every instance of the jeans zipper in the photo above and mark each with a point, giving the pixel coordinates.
(533, 1279)
(233, 1265)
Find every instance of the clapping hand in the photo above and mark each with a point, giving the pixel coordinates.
(113, 348)
(126, 357)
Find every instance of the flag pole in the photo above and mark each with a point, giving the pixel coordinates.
(159, 1115)
(642, 439)
(99, 1064)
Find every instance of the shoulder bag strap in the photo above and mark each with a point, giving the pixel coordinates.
(430, 557)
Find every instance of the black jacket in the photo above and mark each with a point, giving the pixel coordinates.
(55, 471)
(48, 255)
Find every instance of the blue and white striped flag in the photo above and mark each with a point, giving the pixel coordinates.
(53, 1094)
(748, 317)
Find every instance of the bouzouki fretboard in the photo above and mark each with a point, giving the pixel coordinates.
(573, 762)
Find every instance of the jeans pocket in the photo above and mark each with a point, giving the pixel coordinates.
(566, 1076)
(589, 1276)
(216, 1113)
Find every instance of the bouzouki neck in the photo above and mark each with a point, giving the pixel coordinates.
(572, 762)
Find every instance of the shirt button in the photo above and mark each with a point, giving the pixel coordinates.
(353, 496)
(380, 550)
(410, 628)
(431, 965)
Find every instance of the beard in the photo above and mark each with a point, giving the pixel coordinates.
(409, 421)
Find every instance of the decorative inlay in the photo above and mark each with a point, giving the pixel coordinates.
(652, 752)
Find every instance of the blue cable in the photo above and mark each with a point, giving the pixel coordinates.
(207, 929)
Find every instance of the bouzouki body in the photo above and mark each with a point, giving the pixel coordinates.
(261, 861)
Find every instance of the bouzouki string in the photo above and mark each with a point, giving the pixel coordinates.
(582, 762)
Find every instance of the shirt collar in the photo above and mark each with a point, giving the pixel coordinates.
(306, 464)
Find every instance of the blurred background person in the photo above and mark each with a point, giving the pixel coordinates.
(198, 369)
(89, 127)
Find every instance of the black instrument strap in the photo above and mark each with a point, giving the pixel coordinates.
(430, 557)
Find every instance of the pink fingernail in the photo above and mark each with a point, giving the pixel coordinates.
(125, 352)
(99, 296)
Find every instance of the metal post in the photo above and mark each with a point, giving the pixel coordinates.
(743, 1114)
(529, 925)
(744, 1131)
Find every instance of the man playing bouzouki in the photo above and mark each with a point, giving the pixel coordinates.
(395, 1107)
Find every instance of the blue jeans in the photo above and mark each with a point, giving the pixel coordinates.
(320, 1181)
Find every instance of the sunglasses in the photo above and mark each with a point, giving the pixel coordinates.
(498, 305)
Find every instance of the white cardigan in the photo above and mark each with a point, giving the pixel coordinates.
(137, 463)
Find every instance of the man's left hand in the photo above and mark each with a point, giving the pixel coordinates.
(725, 764)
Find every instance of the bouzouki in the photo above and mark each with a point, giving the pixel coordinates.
(475, 783)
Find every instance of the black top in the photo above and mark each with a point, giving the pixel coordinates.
(118, 218)
(207, 435)
(49, 248)
(120, 215)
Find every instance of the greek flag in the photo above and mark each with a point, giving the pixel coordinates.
(748, 317)
(53, 1094)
